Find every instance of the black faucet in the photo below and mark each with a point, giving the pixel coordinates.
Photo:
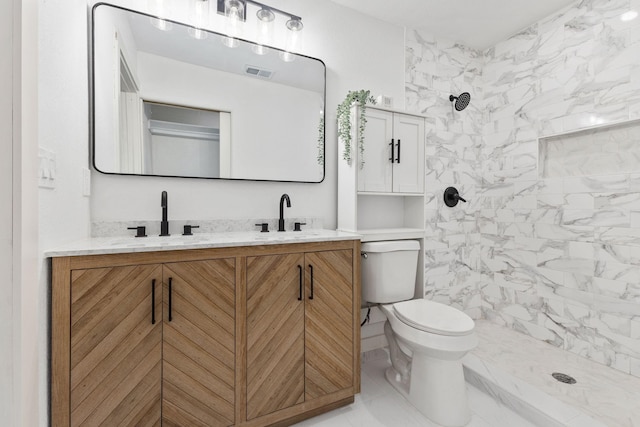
(285, 197)
(164, 225)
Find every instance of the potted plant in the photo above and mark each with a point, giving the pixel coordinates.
(360, 98)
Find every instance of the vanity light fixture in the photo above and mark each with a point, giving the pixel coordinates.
(235, 11)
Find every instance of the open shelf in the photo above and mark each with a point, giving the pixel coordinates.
(378, 234)
(384, 212)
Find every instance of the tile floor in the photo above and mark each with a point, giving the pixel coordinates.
(379, 405)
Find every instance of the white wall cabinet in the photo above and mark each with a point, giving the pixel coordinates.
(385, 200)
(393, 154)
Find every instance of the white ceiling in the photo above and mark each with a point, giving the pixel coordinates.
(479, 24)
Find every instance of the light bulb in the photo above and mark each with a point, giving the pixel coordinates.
(234, 11)
(294, 25)
(265, 29)
(199, 12)
(160, 9)
(293, 35)
(230, 42)
(260, 49)
(286, 56)
(197, 33)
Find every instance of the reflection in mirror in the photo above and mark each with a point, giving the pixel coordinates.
(183, 141)
(168, 104)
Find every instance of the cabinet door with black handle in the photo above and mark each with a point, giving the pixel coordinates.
(275, 333)
(408, 170)
(329, 323)
(116, 346)
(198, 387)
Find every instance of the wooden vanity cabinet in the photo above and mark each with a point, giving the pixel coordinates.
(139, 350)
(299, 328)
(211, 337)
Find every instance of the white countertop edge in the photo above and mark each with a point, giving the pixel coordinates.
(130, 244)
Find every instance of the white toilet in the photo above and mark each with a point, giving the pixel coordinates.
(427, 340)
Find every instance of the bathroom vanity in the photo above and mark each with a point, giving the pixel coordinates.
(212, 330)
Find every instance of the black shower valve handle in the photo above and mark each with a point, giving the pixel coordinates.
(451, 197)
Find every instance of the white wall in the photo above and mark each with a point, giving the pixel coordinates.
(6, 196)
(359, 52)
(19, 299)
(62, 123)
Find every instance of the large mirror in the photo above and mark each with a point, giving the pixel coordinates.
(168, 104)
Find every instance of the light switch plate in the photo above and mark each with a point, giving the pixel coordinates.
(46, 168)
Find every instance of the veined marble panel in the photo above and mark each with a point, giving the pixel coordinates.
(578, 217)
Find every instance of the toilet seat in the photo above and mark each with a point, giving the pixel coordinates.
(433, 317)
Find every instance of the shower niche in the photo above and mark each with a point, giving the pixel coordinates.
(602, 150)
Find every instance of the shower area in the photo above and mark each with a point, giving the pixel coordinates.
(547, 155)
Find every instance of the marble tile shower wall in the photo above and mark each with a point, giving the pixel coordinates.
(436, 69)
(562, 253)
(557, 258)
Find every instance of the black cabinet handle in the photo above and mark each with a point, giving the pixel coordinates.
(392, 158)
(170, 316)
(300, 294)
(311, 271)
(398, 150)
(153, 301)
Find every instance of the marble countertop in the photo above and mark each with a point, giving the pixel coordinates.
(129, 244)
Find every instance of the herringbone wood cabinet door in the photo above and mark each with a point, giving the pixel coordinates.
(329, 323)
(198, 387)
(116, 351)
(275, 333)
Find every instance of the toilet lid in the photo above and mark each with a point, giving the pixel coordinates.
(430, 316)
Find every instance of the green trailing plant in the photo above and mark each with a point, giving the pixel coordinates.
(321, 142)
(360, 98)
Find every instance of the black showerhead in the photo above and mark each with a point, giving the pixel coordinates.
(461, 101)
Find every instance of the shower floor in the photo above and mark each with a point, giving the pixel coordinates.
(516, 369)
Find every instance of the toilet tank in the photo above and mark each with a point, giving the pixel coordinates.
(389, 270)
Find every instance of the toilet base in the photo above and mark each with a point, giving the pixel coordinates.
(437, 389)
